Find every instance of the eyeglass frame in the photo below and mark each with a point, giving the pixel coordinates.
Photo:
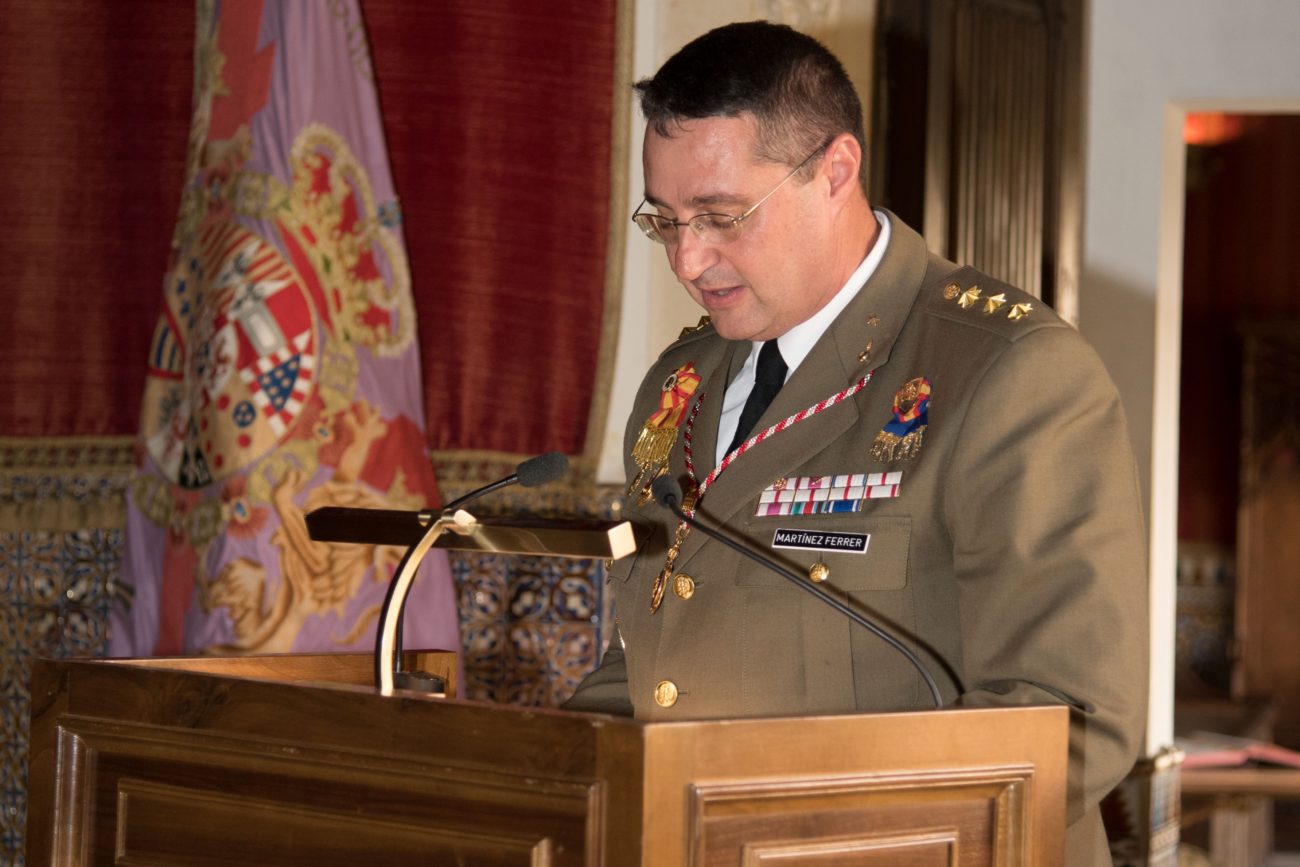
(736, 221)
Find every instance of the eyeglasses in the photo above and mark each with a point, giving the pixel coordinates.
(710, 228)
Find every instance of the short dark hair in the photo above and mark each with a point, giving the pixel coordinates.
(796, 89)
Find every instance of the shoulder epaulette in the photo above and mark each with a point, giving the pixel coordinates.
(690, 334)
(704, 322)
(990, 302)
(969, 296)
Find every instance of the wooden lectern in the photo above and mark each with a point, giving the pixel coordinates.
(297, 760)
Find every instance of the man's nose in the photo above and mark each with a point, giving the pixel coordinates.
(691, 256)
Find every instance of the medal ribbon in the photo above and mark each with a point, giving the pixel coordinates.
(911, 404)
(900, 438)
(672, 401)
(659, 433)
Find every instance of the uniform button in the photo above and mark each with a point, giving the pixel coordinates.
(666, 693)
(683, 585)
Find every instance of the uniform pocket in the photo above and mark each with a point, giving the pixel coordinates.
(859, 552)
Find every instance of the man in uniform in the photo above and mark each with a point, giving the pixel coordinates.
(935, 446)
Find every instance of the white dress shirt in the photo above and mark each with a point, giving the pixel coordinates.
(796, 343)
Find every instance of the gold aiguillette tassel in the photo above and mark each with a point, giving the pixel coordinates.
(884, 447)
(653, 446)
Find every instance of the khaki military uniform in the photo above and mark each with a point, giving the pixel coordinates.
(1010, 555)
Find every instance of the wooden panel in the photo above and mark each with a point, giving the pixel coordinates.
(909, 818)
(1268, 546)
(252, 803)
(1001, 134)
(768, 782)
(999, 124)
(223, 829)
(937, 849)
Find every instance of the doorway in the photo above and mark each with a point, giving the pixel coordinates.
(1238, 617)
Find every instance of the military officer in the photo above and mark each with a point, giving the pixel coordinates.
(935, 446)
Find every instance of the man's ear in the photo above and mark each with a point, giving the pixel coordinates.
(842, 159)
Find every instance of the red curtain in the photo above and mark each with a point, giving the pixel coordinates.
(498, 117)
(94, 115)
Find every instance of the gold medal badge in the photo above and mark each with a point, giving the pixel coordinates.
(679, 536)
(902, 434)
(659, 433)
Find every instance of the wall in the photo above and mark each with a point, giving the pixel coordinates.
(1148, 64)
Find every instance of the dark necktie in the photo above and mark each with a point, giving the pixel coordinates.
(768, 380)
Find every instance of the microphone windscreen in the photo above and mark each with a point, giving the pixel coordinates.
(542, 469)
(666, 489)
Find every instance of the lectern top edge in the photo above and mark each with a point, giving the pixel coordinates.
(574, 539)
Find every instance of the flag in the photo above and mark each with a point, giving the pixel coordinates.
(284, 368)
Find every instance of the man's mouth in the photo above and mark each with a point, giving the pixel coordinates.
(719, 295)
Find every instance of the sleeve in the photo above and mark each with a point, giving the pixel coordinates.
(1049, 553)
(605, 689)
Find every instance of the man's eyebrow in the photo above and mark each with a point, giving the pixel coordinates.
(697, 202)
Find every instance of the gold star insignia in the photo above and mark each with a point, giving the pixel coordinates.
(691, 329)
(950, 291)
(873, 320)
(968, 298)
(993, 302)
(1019, 311)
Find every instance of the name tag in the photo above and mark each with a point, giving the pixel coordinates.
(813, 540)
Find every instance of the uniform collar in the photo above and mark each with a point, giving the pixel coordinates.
(796, 343)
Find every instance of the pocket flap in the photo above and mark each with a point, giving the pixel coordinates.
(858, 552)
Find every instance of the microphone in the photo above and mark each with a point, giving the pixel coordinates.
(668, 493)
(533, 472)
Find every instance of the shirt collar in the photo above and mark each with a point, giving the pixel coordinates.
(796, 343)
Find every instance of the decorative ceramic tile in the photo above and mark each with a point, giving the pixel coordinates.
(530, 627)
(54, 590)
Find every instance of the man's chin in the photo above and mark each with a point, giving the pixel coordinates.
(731, 327)
(733, 317)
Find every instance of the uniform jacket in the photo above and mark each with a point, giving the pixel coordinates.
(1012, 558)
